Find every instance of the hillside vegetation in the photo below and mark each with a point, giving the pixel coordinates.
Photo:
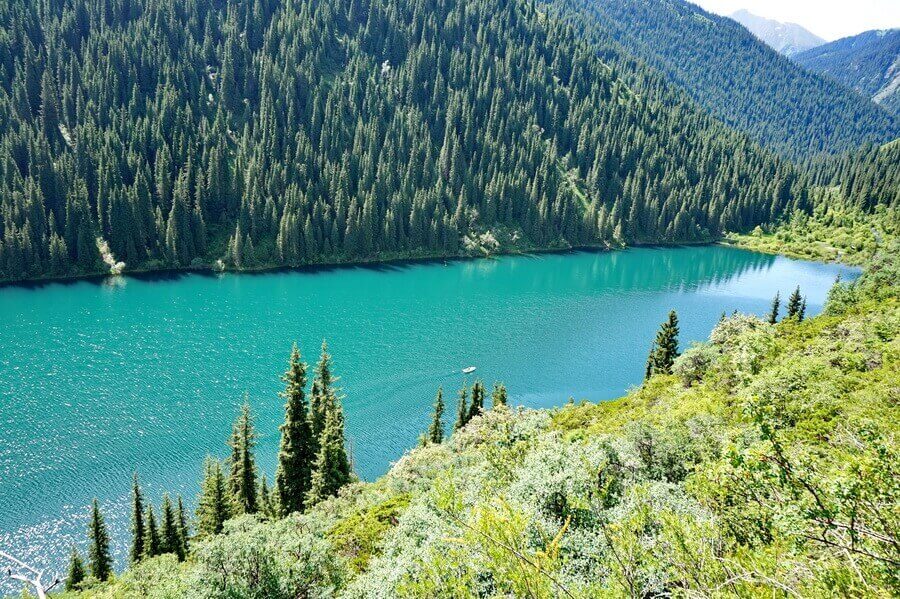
(739, 79)
(868, 62)
(765, 464)
(146, 134)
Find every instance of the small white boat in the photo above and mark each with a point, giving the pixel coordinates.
(468, 370)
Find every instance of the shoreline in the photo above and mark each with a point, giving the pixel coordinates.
(374, 263)
(207, 269)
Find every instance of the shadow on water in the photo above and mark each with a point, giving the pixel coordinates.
(662, 265)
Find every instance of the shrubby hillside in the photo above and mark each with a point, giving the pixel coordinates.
(765, 464)
(141, 134)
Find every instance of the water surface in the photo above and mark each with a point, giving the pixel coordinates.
(98, 379)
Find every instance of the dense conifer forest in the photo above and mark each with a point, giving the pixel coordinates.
(157, 134)
(736, 77)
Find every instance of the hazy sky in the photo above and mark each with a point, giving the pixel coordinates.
(829, 19)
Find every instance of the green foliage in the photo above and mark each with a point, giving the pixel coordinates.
(215, 504)
(665, 348)
(498, 395)
(725, 69)
(99, 557)
(295, 454)
(436, 429)
(357, 536)
(252, 134)
(76, 573)
(266, 561)
(137, 522)
(242, 464)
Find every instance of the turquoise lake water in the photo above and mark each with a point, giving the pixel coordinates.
(101, 378)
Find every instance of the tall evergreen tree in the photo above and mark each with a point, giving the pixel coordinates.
(320, 395)
(184, 529)
(477, 400)
(242, 463)
(773, 313)
(332, 469)
(295, 454)
(99, 556)
(169, 532)
(76, 572)
(436, 430)
(268, 504)
(214, 506)
(665, 348)
(795, 302)
(152, 541)
(498, 395)
(462, 409)
(137, 521)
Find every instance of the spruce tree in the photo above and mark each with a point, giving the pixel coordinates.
(795, 301)
(76, 571)
(498, 395)
(295, 455)
(152, 540)
(319, 396)
(184, 532)
(98, 555)
(169, 533)
(268, 506)
(801, 314)
(776, 304)
(214, 504)
(462, 409)
(332, 469)
(436, 430)
(137, 521)
(242, 464)
(665, 348)
(477, 400)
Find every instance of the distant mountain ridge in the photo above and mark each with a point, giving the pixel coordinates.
(734, 75)
(787, 38)
(868, 62)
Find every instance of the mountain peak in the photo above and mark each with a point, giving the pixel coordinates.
(786, 38)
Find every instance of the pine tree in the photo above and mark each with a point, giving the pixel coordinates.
(76, 571)
(214, 504)
(462, 409)
(801, 314)
(152, 540)
(795, 302)
(498, 395)
(665, 348)
(137, 521)
(332, 469)
(776, 304)
(169, 534)
(99, 556)
(295, 455)
(436, 430)
(242, 464)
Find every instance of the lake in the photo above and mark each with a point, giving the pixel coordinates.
(102, 378)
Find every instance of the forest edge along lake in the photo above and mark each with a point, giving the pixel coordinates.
(99, 379)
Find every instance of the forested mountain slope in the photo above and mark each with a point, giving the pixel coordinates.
(785, 38)
(764, 465)
(172, 134)
(738, 78)
(868, 62)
